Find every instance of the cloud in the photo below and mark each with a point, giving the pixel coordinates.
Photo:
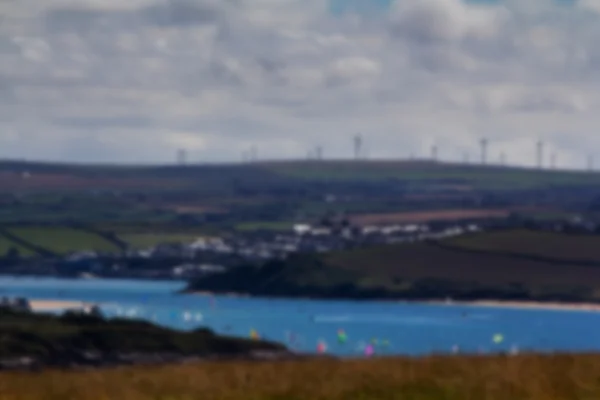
(434, 21)
(134, 81)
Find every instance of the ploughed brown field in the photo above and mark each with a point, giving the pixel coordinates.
(190, 208)
(16, 181)
(424, 216)
(524, 377)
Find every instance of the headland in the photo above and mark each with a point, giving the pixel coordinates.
(79, 339)
(499, 268)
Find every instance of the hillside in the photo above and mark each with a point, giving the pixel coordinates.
(270, 195)
(222, 178)
(483, 177)
(509, 265)
(74, 339)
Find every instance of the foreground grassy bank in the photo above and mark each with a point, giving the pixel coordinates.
(531, 377)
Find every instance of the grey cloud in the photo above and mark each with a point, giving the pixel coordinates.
(225, 73)
(86, 148)
(536, 102)
(7, 89)
(106, 122)
(284, 74)
(270, 65)
(431, 21)
(173, 13)
(83, 20)
(178, 13)
(283, 102)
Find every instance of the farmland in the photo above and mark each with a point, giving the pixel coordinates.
(524, 377)
(178, 203)
(230, 195)
(39, 240)
(426, 260)
(432, 270)
(146, 240)
(274, 226)
(43, 181)
(543, 245)
(222, 177)
(426, 216)
(63, 240)
(491, 177)
(7, 244)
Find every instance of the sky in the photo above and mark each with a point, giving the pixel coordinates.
(133, 81)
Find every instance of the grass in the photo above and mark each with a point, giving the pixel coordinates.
(151, 227)
(6, 244)
(145, 240)
(424, 260)
(527, 377)
(222, 179)
(63, 240)
(557, 246)
(421, 216)
(490, 177)
(512, 270)
(264, 225)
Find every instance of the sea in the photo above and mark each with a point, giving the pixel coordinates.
(342, 328)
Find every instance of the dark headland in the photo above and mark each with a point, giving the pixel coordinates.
(76, 340)
(505, 265)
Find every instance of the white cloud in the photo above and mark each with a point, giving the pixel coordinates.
(446, 20)
(133, 81)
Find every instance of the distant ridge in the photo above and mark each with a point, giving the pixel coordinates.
(20, 165)
(286, 172)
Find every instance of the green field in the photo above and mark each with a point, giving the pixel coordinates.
(426, 260)
(7, 244)
(63, 240)
(482, 177)
(375, 169)
(258, 225)
(145, 240)
(555, 246)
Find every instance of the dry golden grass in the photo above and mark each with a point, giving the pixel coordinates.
(528, 377)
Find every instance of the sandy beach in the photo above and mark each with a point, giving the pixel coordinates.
(210, 294)
(53, 305)
(476, 303)
(525, 305)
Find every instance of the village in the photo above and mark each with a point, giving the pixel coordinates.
(216, 254)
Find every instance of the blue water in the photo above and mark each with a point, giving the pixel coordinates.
(395, 328)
